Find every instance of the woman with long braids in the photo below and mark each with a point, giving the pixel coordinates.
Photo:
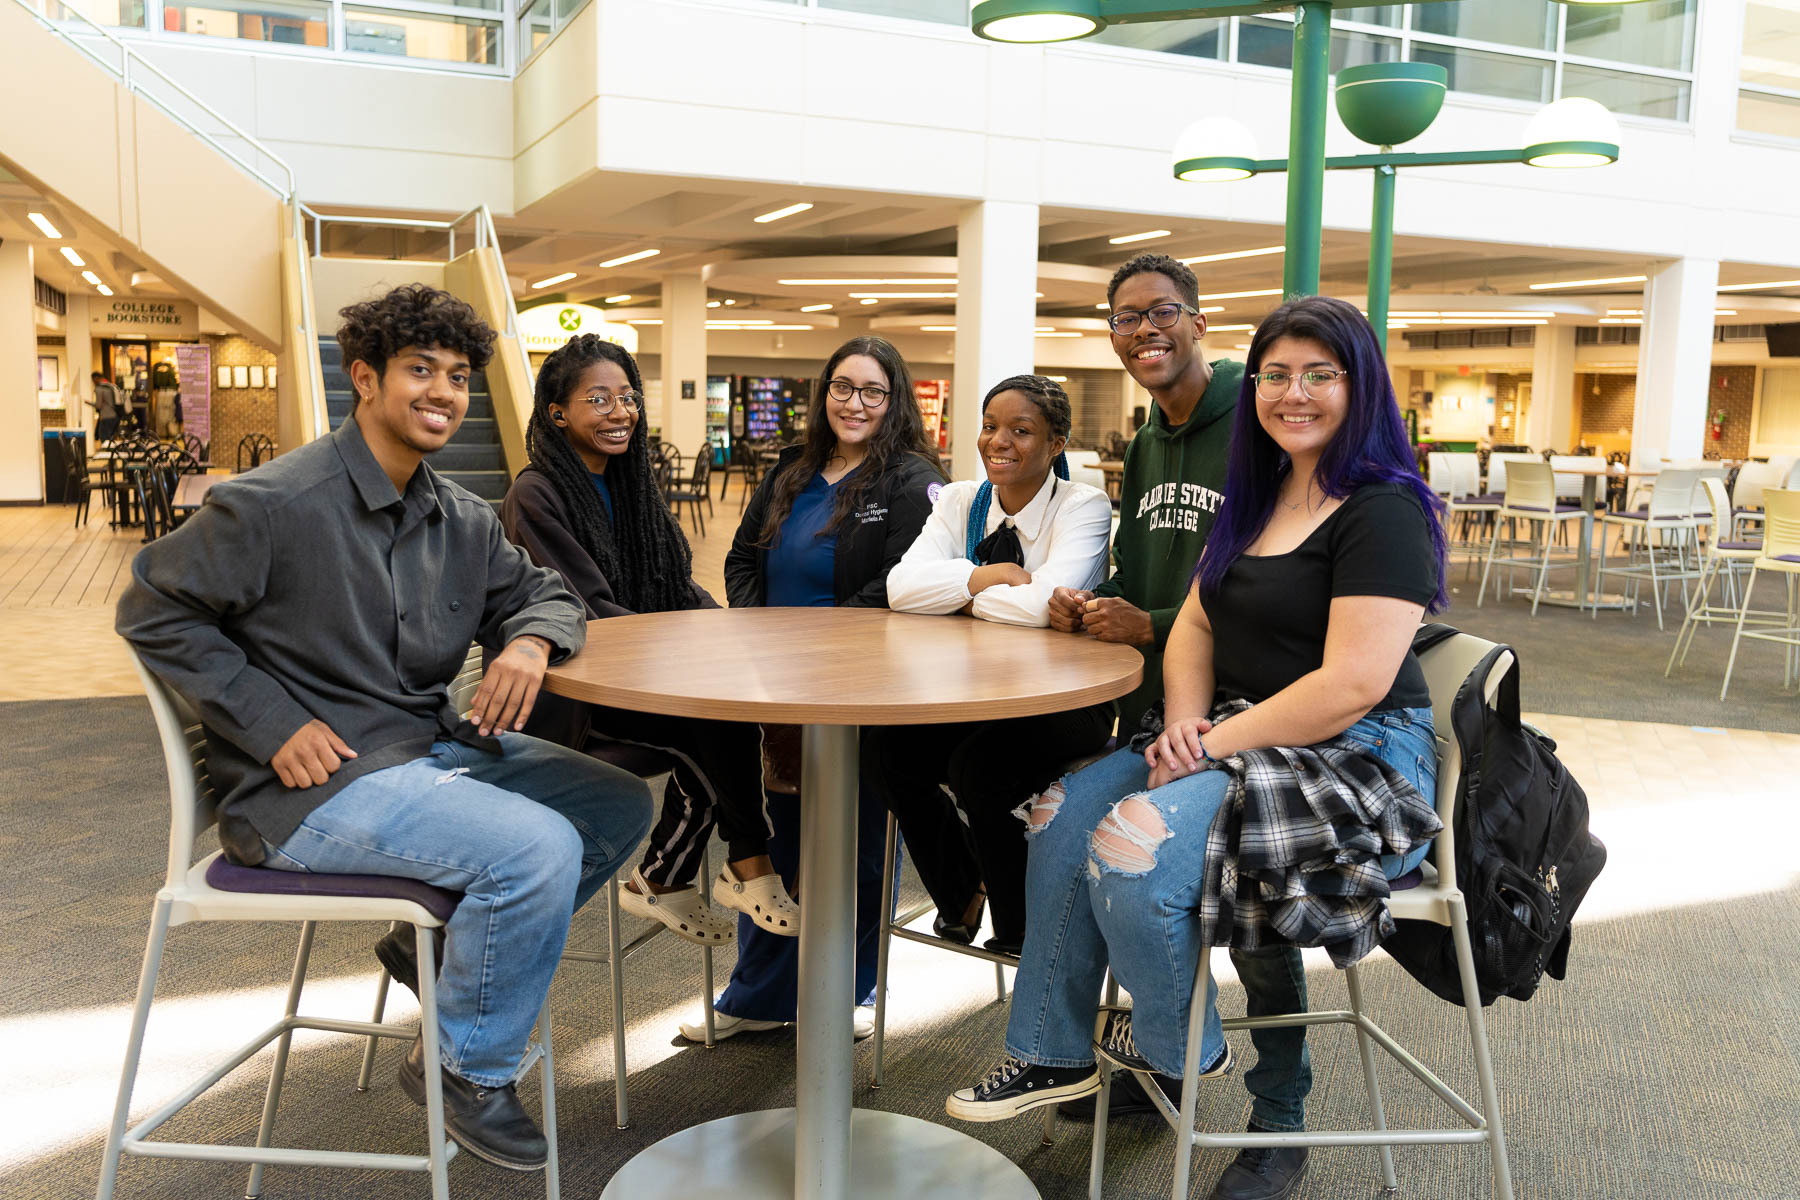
(589, 508)
(994, 550)
(824, 528)
(1290, 691)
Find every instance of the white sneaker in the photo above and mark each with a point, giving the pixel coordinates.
(862, 1022)
(684, 911)
(762, 899)
(862, 1025)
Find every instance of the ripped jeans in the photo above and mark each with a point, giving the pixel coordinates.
(1141, 922)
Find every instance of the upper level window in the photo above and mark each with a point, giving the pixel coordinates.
(1769, 70)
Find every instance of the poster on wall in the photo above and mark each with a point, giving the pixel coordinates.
(548, 326)
(193, 375)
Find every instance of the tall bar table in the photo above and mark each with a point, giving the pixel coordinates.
(831, 670)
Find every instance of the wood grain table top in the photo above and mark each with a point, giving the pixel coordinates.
(839, 666)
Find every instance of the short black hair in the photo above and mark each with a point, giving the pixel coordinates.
(1172, 269)
(96, 375)
(413, 314)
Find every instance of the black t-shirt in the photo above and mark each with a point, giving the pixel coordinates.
(1271, 612)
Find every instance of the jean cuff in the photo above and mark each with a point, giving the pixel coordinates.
(1038, 1060)
(1260, 1125)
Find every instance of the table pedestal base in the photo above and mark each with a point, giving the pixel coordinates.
(1571, 600)
(751, 1157)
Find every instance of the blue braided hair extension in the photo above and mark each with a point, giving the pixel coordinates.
(1061, 465)
(978, 515)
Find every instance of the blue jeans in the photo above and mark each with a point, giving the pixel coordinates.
(527, 835)
(1086, 916)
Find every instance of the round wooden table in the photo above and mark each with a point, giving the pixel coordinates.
(831, 670)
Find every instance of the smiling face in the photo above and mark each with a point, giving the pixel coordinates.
(1015, 443)
(853, 422)
(1158, 359)
(597, 437)
(1300, 424)
(416, 403)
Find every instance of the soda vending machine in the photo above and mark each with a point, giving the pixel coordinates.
(934, 400)
(718, 417)
(774, 409)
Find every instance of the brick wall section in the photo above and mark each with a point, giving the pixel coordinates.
(239, 411)
(1734, 390)
(54, 418)
(1610, 411)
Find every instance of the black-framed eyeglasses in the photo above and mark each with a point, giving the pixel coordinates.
(1125, 322)
(1315, 384)
(603, 401)
(873, 396)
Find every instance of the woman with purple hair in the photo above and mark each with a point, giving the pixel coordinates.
(1291, 659)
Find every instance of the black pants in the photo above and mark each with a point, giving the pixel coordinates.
(719, 776)
(968, 836)
(106, 429)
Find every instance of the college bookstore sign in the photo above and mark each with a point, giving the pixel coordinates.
(167, 320)
(548, 326)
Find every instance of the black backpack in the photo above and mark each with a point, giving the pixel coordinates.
(1524, 856)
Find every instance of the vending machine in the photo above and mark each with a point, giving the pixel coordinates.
(934, 402)
(774, 409)
(718, 417)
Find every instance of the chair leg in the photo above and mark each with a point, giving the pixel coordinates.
(1366, 1047)
(134, 1046)
(1486, 570)
(616, 969)
(706, 962)
(381, 991)
(1097, 1150)
(1537, 593)
(1484, 1066)
(279, 1072)
(883, 946)
(999, 984)
(1743, 611)
(1190, 1077)
(426, 949)
(547, 1081)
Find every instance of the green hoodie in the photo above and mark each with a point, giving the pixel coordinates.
(1174, 483)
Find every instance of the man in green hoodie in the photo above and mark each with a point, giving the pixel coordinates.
(1174, 469)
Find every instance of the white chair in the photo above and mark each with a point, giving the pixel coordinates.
(1083, 458)
(1569, 485)
(1662, 533)
(1497, 466)
(211, 889)
(1530, 497)
(1753, 480)
(1464, 502)
(1437, 899)
(1780, 553)
(1723, 557)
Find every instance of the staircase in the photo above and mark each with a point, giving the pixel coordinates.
(473, 458)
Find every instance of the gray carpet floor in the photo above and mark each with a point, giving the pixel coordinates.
(1665, 1067)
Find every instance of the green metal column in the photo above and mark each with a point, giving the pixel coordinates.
(1306, 147)
(1381, 251)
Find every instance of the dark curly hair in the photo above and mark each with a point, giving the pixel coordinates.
(1043, 391)
(413, 314)
(900, 433)
(641, 550)
(1172, 269)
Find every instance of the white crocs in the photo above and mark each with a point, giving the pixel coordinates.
(685, 911)
(762, 899)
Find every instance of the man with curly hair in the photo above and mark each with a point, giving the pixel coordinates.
(313, 612)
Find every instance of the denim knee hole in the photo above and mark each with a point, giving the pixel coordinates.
(1125, 841)
(1038, 811)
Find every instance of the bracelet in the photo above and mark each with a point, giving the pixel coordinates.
(1205, 757)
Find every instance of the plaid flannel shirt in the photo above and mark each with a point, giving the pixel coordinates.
(1294, 855)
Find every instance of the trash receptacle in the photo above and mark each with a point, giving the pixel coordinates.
(59, 444)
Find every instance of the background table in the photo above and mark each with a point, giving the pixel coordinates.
(831, 670)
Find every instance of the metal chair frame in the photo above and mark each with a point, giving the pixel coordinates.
(1721, 564)
(1530, 496)
(1781, 553)
(1670, 511)
(1437, 900)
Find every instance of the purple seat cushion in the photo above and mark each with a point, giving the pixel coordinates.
(1751, 545)
(1793, 558)
(227, 876)
(1561, 508)
(1489, 498)
(1411, 879)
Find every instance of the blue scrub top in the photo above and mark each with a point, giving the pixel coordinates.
(801, 564)
(601, 486)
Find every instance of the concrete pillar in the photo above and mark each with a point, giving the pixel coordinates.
(21, 449)
(683, 414)
(996, 310)
(1674, 358)
(78, 346)
(1550, 421)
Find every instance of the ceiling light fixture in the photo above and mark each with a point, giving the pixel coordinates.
(903, 295)
(554, 279)
(937, 329)
(1056, 334)
(91, 278)
(779, 213)
(68, 252)
(814, 307)
(630, 258)
(103, 289)
(644, 321)
(1241, 295)
(712, 304)
(862, 282)
(1127, 238)
(619, 299)
(1229, 328)
(1582, 283)
(741, 327)
(1256, 253)
(867, 300)
(43, 223)
(1752, 287)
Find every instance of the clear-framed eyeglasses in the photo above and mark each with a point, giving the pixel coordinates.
(1125, 322)
(841, 390)
(603, 401)
(1315, 384)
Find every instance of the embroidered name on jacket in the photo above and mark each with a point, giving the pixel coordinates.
(1178, 505)
(871, 514)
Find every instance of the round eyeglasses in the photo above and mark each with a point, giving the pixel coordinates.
(1125, 322)
(604, 402)
(1315, 384)
(841, 390)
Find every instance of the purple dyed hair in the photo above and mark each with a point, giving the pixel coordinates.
(1371, 445)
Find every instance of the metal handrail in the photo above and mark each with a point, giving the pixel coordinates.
(122, 72)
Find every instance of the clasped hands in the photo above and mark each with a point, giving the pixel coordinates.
(1177, 753)
(1109, 618)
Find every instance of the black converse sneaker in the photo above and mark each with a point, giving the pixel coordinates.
(1113, 1042)
(1016, 1087)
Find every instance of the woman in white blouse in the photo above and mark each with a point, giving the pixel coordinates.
(994, 550)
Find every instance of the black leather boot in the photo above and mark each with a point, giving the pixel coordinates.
(489, 1123)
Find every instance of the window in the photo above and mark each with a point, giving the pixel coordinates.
(413, 34)
(289, 22)
(1528, 23)
(1271, 44)
(1490, 74)
(1764, 112)
(1196, 39)
(1657, 34)
(1769, 71)
(117, 13)
(1637, 95)
(949, 12)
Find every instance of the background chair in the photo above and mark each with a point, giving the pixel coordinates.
(1722, 559)
(1647, 531)
(212, 889)
(1530, 496)
(695, 492)
(1780, 553)
(1437, 899)
(1456, 476)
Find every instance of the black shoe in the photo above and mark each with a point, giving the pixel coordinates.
(1003, 945)
(488, 1122)
(1016, 1087)
(962, 935)
(1261, 1173)
(400, 955)
(1126, 1099)
(1113, 1042)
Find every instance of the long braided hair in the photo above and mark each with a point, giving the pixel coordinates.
(901, 432)
(1050, 398)
(641, 551)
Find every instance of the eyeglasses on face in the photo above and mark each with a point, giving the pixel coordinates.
(1125, 322)
(841, 390)
(603, 401)
(1315, 384)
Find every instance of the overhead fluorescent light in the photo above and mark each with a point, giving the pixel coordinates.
(1242, 295)
(554, 279)
(619, 299)
(1621, 320)
(779, 213)
(644, 321)
(630, 258)
(736, 327)
(712, 304)
(91, 278)
(1055, 334)
(1057, 378)
(814, 307)
(1229, 328)
(729, 303)
(1103, 305)
(1752, 287)
(1256, 253)
(937, 329)
(43, 223)
(103, 289)
(867, 300)
(863, 282)
(903, 295)
(75, 259)
(1128, 238)
(738, 321)
(1582, 283)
